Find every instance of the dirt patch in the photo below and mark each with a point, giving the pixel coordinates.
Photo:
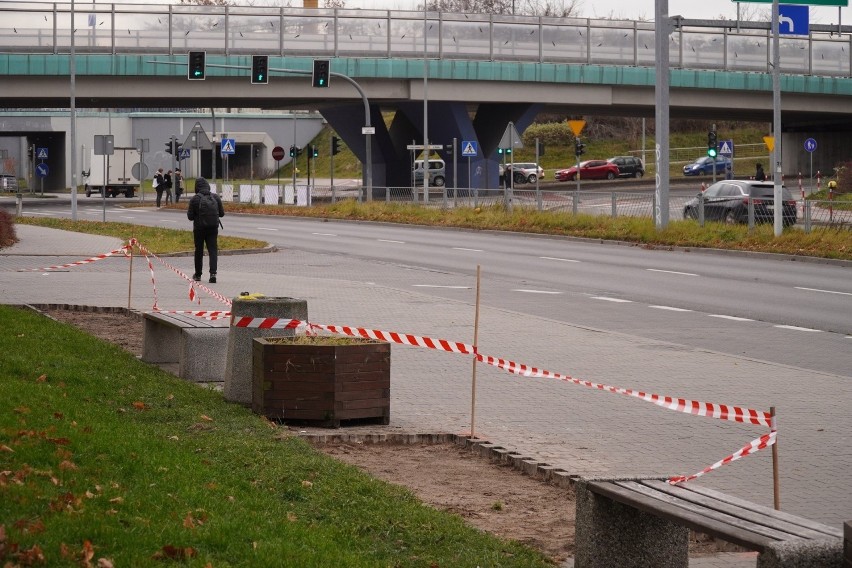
(488, 495)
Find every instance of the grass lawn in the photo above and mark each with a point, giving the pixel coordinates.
(108, 461)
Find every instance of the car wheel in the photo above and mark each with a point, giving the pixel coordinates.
(689, 213)
(639, 173)
(532, 178)
(730, 218)
(572, 178)
(610, 175)
(439, 181)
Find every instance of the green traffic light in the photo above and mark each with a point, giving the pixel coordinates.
(711, 152)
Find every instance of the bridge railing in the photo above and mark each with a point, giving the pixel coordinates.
(242, 30)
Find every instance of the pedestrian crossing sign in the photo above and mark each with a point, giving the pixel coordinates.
(228, 146)
(469, 148)
(41, 153)
(726, 148)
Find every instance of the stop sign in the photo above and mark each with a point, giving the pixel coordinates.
(278, 153)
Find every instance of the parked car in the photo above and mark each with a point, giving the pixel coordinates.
(436, 172)
(728, 200)
(590, 169)
(704, 166)
(8, 182)
(525, 172)
(628, 166)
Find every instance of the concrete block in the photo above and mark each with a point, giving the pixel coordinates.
(827, 553)
(847, 544)
(202, 354)
(239, 366)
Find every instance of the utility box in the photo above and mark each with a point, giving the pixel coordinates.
(121, 169)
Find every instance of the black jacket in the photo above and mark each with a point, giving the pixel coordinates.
(192, 209)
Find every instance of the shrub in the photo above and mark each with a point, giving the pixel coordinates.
(7, 230)
(844, 177)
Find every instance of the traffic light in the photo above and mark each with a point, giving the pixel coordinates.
(320, 75)
(711, 144)
(448, 148)
(579, 148)
(170, 146)
(502, 151)
(259, 69)
(292, 151)
(335, 145)
(314, 150)
(197, 68)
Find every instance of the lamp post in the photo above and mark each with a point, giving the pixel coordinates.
(73, 72)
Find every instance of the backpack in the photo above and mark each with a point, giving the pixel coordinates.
(208, 211)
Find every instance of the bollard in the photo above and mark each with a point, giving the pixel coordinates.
(19, 204)
(238, 363)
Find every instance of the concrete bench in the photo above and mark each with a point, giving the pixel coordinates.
(198, 346)
(646, 522)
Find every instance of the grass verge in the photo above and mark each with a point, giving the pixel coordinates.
(106, 460)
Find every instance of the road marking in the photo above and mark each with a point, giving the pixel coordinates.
(671, 272)
(325, 234)
(265, 229)
(536, 291)
(732, 318)
(167, 221)
(39, 213)
(127, 217)
(797, 328)
(823, 291)
(439, 286)
(559, 259)
(390, 241)
(471, 250)
(618, 300)
(670, 308)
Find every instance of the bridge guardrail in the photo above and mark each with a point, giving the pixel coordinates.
(243, 30)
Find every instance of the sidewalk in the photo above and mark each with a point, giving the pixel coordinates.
(583, 431)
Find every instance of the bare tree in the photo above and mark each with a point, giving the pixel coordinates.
(555, 8)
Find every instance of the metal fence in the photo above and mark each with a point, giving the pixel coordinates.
(113, 28)
(811, 215)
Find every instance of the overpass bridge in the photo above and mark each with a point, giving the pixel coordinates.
(482, 70)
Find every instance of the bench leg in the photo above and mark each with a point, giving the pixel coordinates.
(609, 534)
(803, 554)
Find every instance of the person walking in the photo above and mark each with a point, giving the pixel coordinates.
(158, 184)
(178, 182)
(167, 182)
(759, 174)
(205, 209)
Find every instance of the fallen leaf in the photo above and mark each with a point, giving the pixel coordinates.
(138, 405)
(117, 500)
(188, 523)
(88, 552)
(105, 563)
(5, 448)
(22, 410)
(42, 379)
(205, 417)
(307, 483)
(292, 517)
(67, 465)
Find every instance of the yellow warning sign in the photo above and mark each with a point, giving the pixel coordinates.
(770, 143)
(576, 126)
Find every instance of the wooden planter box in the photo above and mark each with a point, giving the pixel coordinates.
(330, 382)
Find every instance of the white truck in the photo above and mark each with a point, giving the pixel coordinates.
(122, 173)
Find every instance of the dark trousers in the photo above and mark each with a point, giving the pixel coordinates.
(159, 194)
(208, 236)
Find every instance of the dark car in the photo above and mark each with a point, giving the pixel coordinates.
(590, 169)
(728, 200)
(628, 166)
(704, 166)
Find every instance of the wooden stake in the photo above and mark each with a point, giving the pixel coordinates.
(776, 489)
(130, 278)
(475, 343)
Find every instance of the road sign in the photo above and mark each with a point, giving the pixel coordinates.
(41, 153)
(420, 147)
(278, 153)
(576, 126)
(42, 170)
(511, 136)
(139, 172)
(469, 148)
(806, 2)
(368, 130)
(793, 20)
(229, 146)
(810, 145)
(184, 154)
(726, 148)
(770, 142)
(197, 138)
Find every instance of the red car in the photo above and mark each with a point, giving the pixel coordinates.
(590, 169)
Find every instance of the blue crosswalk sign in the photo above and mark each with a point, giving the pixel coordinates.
(229, 146)
(41, 153)
(469, 148)
(184, 154)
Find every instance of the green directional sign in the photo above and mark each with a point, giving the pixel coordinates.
(802, 2)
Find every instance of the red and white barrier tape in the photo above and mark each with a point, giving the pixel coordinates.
(754, 446)
(123, 249)
(206, 314)
(696, 408)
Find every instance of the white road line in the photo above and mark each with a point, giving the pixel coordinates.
(325, 234)
(559, 259)
(127, 217)
(670, 308)
(671, 272)
(390, 241)
(471, 250)
(849, 337)
(617, 300)
(732, 318)
(265, 229)
(40, 213)
(797, 328)
(167, 221)
(537, 291)
(823, 291)
(439, 286)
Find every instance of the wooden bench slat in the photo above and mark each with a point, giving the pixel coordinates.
(670, 508)
(822, 529)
